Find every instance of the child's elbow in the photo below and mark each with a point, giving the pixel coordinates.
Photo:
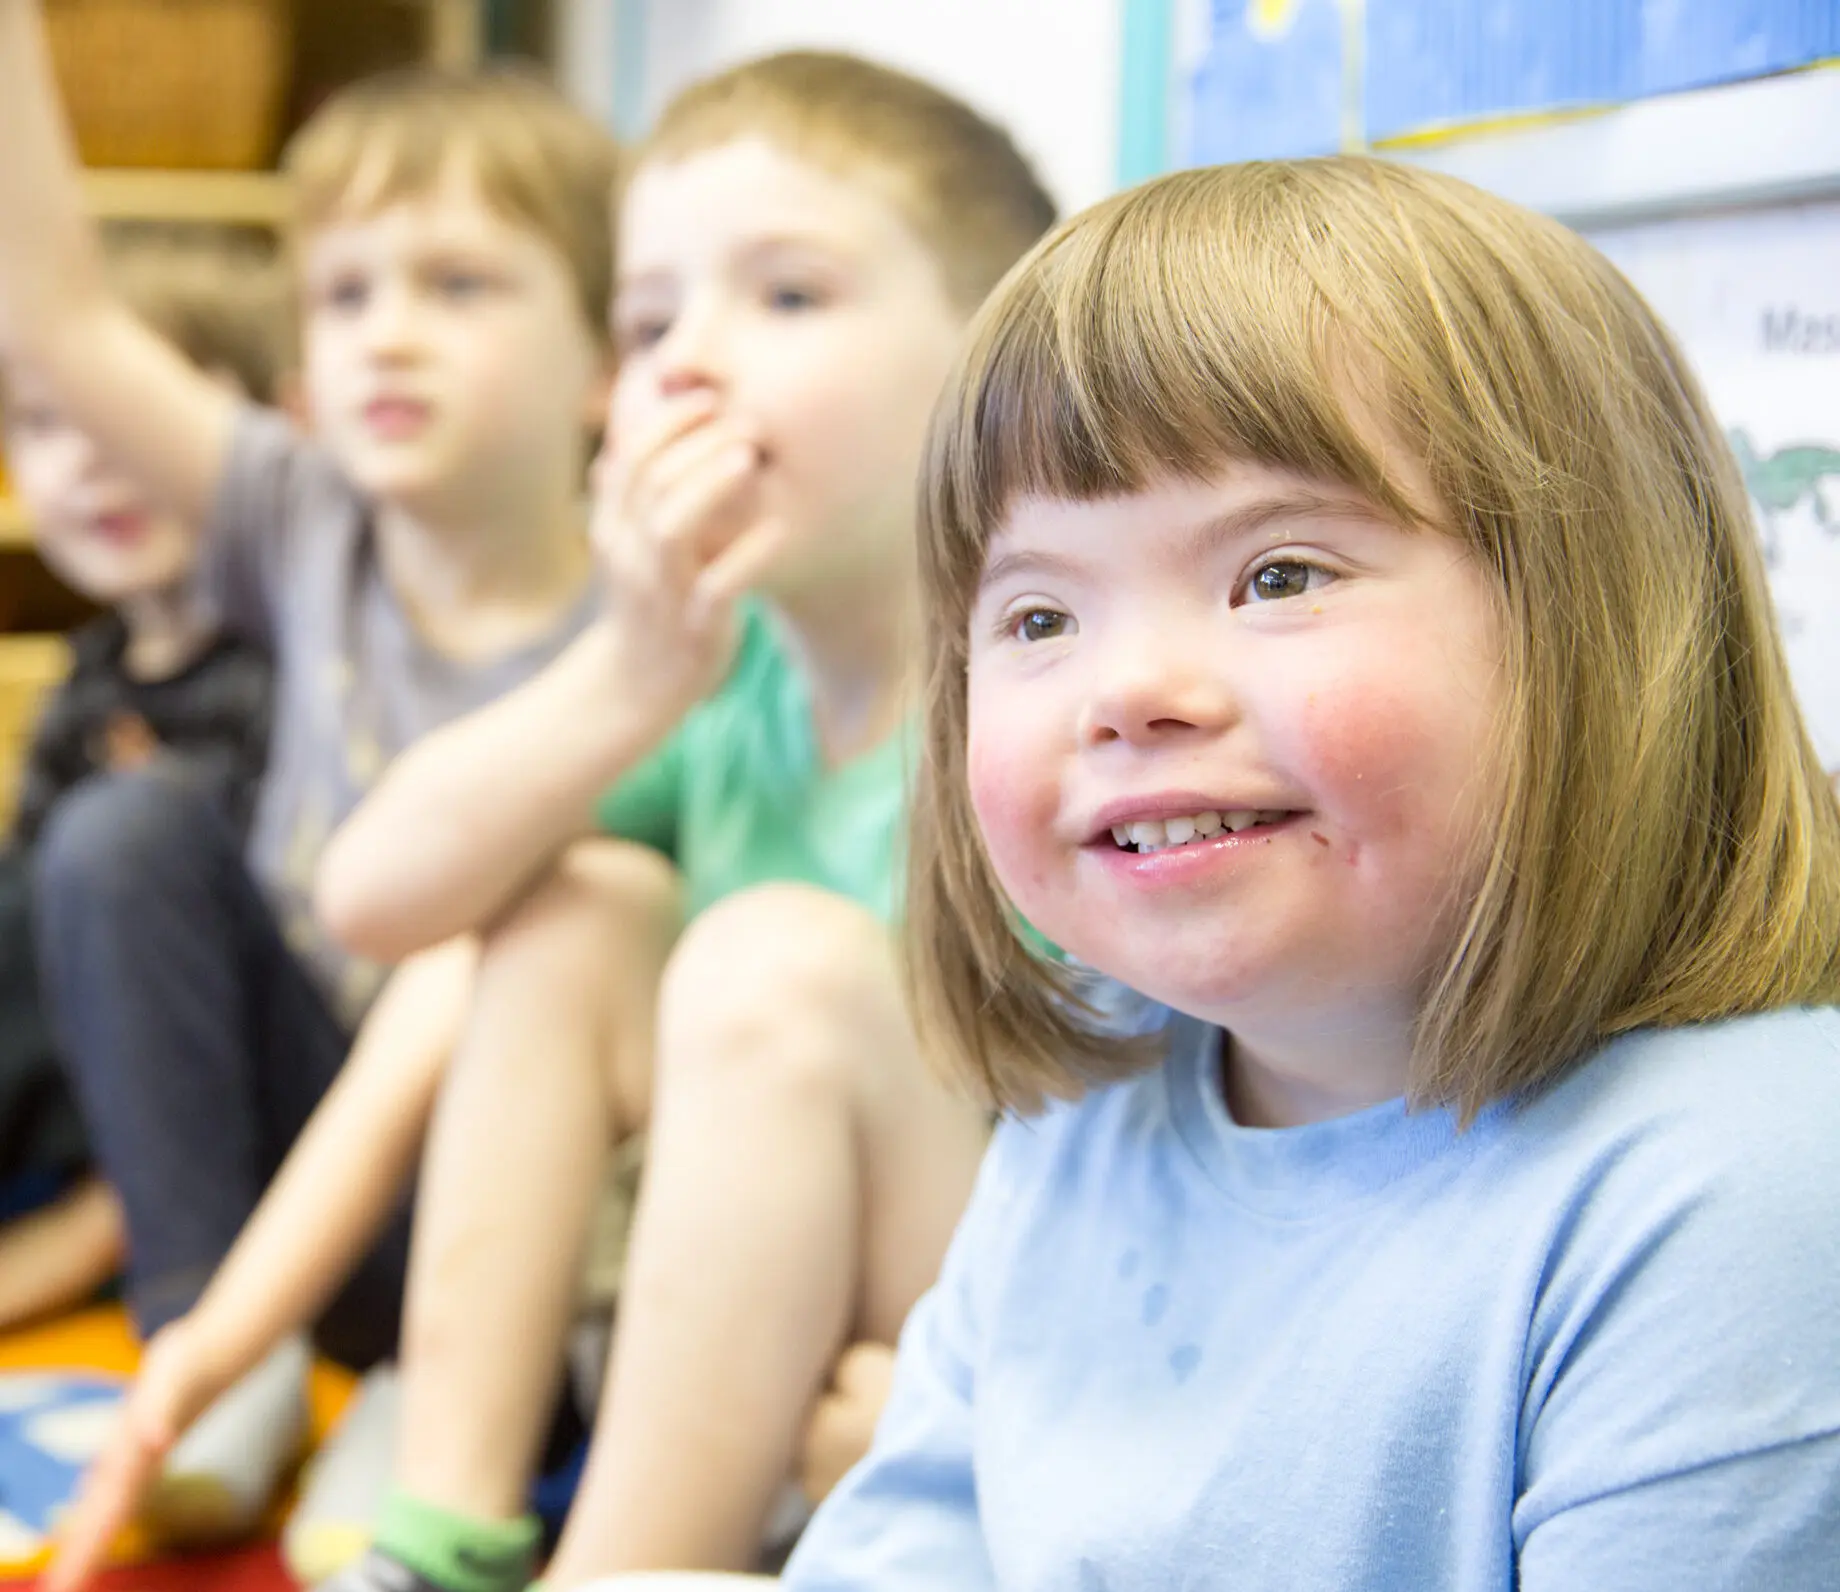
(357, 909)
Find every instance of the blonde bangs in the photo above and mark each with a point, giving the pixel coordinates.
(1668, 850)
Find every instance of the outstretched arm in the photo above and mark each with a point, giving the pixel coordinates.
(331, 1197)
(166, 424)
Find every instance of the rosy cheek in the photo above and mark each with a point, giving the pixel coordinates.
(1361, 753)
(1013, 811)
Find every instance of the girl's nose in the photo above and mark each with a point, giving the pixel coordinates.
(1150, 688)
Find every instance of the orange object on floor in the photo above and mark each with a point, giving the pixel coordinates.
(257, 1569)
(59, 1384)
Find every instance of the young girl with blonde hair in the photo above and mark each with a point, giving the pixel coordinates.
(1348, 641)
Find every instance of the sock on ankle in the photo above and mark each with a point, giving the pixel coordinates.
(461, 1552)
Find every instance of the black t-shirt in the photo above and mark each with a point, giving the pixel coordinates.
(214, 712)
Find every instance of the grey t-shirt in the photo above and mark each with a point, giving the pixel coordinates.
(290, 560)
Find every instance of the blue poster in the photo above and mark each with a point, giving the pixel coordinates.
(1431, 63)
(1268, 82)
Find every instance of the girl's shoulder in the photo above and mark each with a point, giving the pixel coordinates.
(1703, 1152)
(1760, 1077)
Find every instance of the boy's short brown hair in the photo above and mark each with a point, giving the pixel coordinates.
(1668, 848)
(538, 160)
(957, 178)
(220, 300)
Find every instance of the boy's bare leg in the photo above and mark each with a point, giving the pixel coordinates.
(562, 1014)
(803, 1178)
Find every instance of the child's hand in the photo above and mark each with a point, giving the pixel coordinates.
(170, 1393)
(129, 742)
(842, 1423)
(680, 531)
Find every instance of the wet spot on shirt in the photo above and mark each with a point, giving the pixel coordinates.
(1183, 1361)
(1092, 1578)
(1128, 1264)
(1156, 1303)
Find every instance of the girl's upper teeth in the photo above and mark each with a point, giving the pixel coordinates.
(1154, 834)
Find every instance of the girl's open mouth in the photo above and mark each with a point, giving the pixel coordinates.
(1145, 835)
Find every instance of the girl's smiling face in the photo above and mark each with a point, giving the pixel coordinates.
(1230, 742)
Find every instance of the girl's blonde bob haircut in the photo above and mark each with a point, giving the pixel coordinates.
(1668, 850)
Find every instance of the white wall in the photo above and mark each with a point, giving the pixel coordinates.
(1046, 69)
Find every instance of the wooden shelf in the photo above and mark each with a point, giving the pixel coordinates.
(15, 529)
(236, 198)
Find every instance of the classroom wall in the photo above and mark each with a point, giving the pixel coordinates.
(1047, 69)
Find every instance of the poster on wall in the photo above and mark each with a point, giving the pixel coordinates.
(1264, 79)
(1755, 299)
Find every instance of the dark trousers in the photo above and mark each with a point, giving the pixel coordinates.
(197, 1043)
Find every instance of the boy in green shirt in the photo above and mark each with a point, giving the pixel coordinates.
(803, 242)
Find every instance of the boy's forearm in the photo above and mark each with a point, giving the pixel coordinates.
(346, 1172)
(50, 264)
(166, 424)
(467, 817)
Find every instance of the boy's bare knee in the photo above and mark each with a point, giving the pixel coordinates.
(769, 981)
(600, 888)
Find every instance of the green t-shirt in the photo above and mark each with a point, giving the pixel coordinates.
(739, 795)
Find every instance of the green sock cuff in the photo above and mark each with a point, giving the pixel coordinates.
(462, 1552)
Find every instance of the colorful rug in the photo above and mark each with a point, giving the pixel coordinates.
(59, 1385)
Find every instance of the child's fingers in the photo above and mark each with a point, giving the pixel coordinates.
(701, 516)
(866, 1371)
(736, 568)
(714, 447)
(652, 505)
(633, 454)
(111, 1494)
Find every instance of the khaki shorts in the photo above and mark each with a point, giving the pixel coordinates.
(610, 1227)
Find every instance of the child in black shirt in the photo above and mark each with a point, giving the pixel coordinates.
(153, 677)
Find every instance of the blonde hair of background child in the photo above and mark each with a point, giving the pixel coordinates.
(1668, 850)
(957, 179)
(220, 300)
(538, 161)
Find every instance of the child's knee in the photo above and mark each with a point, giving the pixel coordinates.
(114, 833)
(599, 893)
(773, 982)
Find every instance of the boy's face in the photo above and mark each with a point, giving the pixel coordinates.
(100, 536)
(446, 359)
(813, 317)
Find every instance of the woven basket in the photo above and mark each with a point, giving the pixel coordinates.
(172, 83)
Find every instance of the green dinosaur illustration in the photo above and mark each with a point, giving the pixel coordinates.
(1778, 482)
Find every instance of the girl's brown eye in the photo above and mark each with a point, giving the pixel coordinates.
(1040, 624)
(1281, 579)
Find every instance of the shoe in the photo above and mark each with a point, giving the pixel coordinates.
(345, 1484)
(378, 1572)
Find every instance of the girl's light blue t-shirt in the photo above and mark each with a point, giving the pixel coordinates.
(1590, 1345)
